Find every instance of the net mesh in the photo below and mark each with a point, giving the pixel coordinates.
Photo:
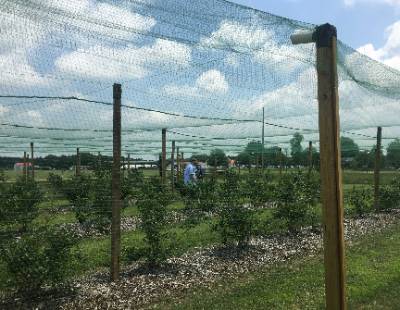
(202, 69)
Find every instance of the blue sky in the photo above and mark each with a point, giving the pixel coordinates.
(359, 22)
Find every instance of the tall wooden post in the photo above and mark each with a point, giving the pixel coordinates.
(377, 167)
(32, 162)
(116, 185)
(78, 162)
(178, 163)
(325, 37)
(262, 139)
(173, 165)
(310, 157)
(164, 156)
(331, 172)
(24, 169)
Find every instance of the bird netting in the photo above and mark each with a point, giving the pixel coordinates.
(202, 69)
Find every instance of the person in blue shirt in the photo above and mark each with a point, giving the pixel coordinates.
(189, 175)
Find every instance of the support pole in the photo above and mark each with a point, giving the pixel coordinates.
(116, 186)
(310, 157)
(173, 166)
(325, 37)
(377, 167)
(78, 163)
(331, 172)
(262, 139)
(24, 169)
(32, 163)
(164, 156)
(178, 163)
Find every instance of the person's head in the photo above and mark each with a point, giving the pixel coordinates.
(194, 161)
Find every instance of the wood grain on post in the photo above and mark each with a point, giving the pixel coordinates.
(377, 170)
(164, 156)
(78, 163)
(331, 178)
(173, 166)
(116, 186)
(32, 163)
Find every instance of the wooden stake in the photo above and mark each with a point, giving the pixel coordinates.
(24, 169)
(262, 139)
(377, 168)
(32, 163)
(178, 163)
(78, 163)
(310, 157)
(173, 166)
(164, 156)
(331, 178)
(116, 186)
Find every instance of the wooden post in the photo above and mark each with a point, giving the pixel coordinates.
(164, 156)
(262, 139)
(377, 167)
(178, 163)
(331, 178)
(78, 163)
(310, 157)
(32, 163)
(173, 166)
(24, 169)
(116, 185)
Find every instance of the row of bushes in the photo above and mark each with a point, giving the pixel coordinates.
(38, 256)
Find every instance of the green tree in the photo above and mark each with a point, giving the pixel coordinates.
(296, 150)
(348, 147)
(393, 153)
(218, 156)
(244, 158)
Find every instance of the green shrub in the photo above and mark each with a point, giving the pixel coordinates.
(19, 203)
(234, 219)
(389, 197)
(41, 258)
(296, 195)
(360, 200)
(153, 215)
(199, 199)
(78, 192)
(257, 188)
(55, 181)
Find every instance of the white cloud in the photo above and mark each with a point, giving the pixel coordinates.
(238, 37)
(128, 63)
(389, 53)
(213, 81)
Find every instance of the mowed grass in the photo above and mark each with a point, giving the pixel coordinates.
(373, 282)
